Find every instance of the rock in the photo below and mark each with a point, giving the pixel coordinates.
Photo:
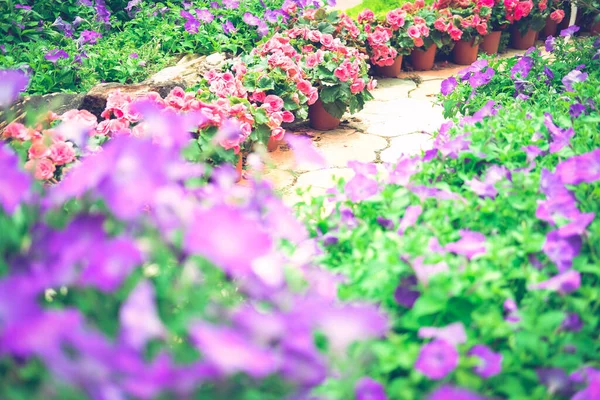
(412, 144)
(188, 71)
(95, 100)
(57, 102)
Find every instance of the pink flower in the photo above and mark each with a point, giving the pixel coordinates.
(557, 16)
(342, 73)
(38, 150)
(357, 86)
(43, 168)
(259, 97)
(326, 39)
(313, 96)
(278, 133)
(372, 84)
(366, 16)
(379, 36)
(273, 103)
(482, 29)
(288, 117)
(312, 61)
(314, 36)
(16, 130)
(454, 32)
(424, 30)
(543, 4)
(418, 42)
(62, 153)
(304, 87)
(440, 25)
(414, 32)
(419, 4)
(396, 18)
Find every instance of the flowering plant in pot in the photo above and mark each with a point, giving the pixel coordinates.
(429, 30)
(496, 24)
(473, 26)
(528, 18)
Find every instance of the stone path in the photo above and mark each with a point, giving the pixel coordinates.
(400, 120)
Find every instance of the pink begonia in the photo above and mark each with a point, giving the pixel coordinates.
(43, 168)
(38, 149)
(62, 153)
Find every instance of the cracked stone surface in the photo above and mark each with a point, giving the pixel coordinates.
(427, 90)
(413, 144)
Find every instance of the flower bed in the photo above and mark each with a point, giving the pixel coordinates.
(484, 249)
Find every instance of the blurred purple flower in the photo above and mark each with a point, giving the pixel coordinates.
(102, 11)
(77, 21)
(410, 217)
(15, 183)
(360, 188)
(572, 322)
(532, 152)
(437, 359)
(563, 283)
(134, 55)
(511, 310)
(191, 23)
(481, 78)
(575, 110)
(580, 169)
(404, 170)
(573, 77)
(228, 27)
(305, 152)
(90, 37)
(521, 68)
(12, 82)
(577, 226)
(569, 31)
(453, 147)
(470, 244)
(369, 389)
(549, 44)
(454, 333)
(205, 15)
(490, 363)
(560, 137)
(448, 85)
(54, 55)
(425, 192)
(548, 72)
(262, 29)
(139, 317)
(447, 392)
(407, 293)
(250, 19)
(231, 352)
(556, 381)
(385, 223)
(231, 3)
(347, 218)
(64, 27)
(22, 7)
(561, 251)
(424, 272)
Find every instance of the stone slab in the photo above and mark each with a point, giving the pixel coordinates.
(412, 144)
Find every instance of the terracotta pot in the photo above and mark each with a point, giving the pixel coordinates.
(320, 119)
(550, 29)
(465, 53)
(272, 145)
(491, 42)
(238, 168)
(595, 29)
(391, 71)
(422, 60)
(523, 42)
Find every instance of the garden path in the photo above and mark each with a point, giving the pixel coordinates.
(400, 120)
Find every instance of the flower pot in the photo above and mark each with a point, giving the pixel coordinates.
(550, 29)
(523, 42)
(422, 60)
(465, 53)
(272, 145)
(595, 29)
(491, 42)
(238, 168)
(320, 119)
(391, 71)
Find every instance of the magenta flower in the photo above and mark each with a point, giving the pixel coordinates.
(231, 352)
(448, 85)
(139, 317)
(425, 272)
(228, 27)
(470, 245)
(251, 19)
(437, 359)
(90, 37)
(12, 82)
(572, 322)
(562, 250)
(54, 55)
(454, 334)
(573, 77)
(360, 188)
(490, 363)
(447, 392)
(563, 283)
(369, 389)
(411, 215)
(511, 310)
(304, 151)
(521, 68)
(580, 169)
(205, 15)
(15, 183)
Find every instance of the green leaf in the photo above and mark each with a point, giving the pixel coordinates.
(336, 109)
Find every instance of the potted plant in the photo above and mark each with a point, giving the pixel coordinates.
(557, 14)
(527, 18)
(497, 23)
(431, 30)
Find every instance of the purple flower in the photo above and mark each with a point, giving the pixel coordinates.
(488, 110)
(563, 283)
(572, 322)
(228, 27)
(453, 147)
(580, 169)
(385, 223)
(205, 15)
(522, 68)
(454, 334)
(231, 352)
(577, 226)
(575, 110)
(360, 188)
(425, 192)
(102, 11)
(569, 31)
(411, 214)
(64, 27)
(404, 170)
(15, 183)
(54, 55)
(548, 72)
(490, 363)
(406, 293)
(487, 188)
(573, 77)
(347, 218)
(562, 250)
(250, 19)
(191, 23)
(424, 272)
(447, 392)
(139, 317)
(90, 37)
(556, 380)
(369, 389)
(437, 359)
(78, 58)
(470, 245)
(477, 66)
(560, 137)
(12, 82)
(481, 78)
(77, 21)
(549, 44)
(23, 7)
(231, 3)
(448, 85)
(262, 29)
(134, 55)
(305, 152)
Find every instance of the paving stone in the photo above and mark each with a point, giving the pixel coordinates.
(407, 145)
(390, 89)
(324, 178)
(440, 71)
(340, 146)
(427, 90)
(279, 178)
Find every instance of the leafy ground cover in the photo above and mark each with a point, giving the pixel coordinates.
(484, 250)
